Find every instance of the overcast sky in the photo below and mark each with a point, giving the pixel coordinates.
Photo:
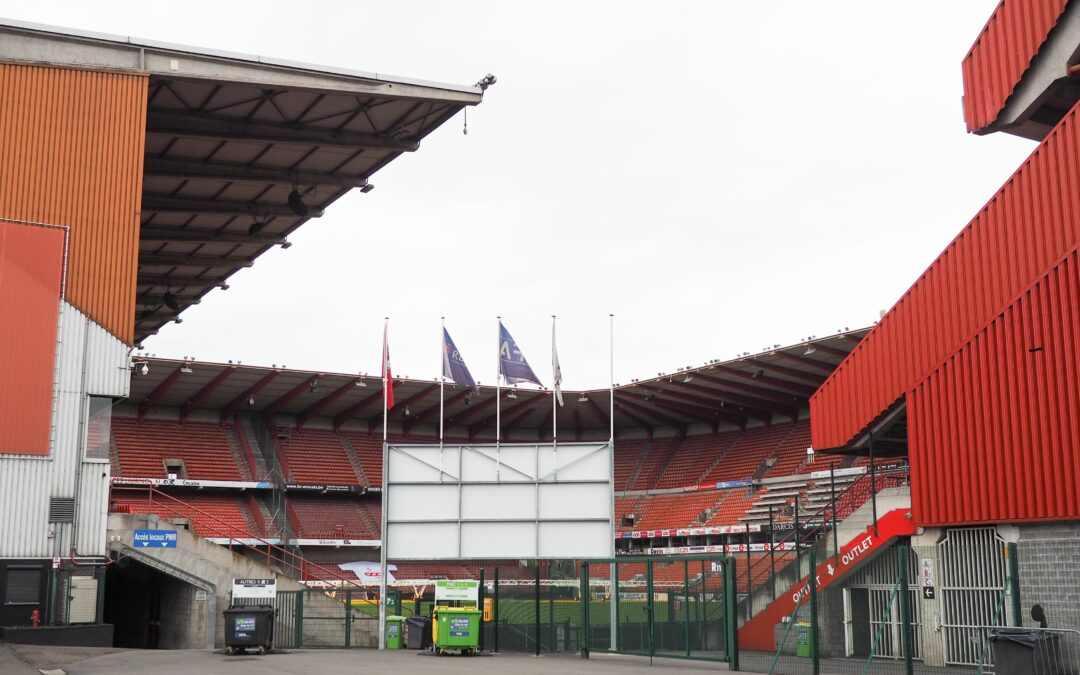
(721, 176)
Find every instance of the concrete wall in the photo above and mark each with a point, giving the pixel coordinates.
(1049, 560)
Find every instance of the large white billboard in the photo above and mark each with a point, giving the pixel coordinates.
(509, 501)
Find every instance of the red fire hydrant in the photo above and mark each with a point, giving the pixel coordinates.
(35, 618)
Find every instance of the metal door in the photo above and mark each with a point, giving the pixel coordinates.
(973, 576)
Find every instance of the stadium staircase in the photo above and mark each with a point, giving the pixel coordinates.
(771, 587)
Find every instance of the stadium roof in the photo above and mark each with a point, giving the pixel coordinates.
(240, 150)
(775, 384)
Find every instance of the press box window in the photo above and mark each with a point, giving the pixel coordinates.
(23, 586)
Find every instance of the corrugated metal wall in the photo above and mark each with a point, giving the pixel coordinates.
(73, 143)
(86, 354)
(31, 270)
(994, 432)
(1027, 226)
(1001, 54)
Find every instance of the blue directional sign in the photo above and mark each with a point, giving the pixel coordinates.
(155, 539)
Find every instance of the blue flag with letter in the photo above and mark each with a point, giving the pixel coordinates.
(512, 364)
(453, 365)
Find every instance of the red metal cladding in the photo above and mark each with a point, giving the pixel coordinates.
(993, 431)
(73, 143)
(1002, 53)
(1023, 231)
(31, 268)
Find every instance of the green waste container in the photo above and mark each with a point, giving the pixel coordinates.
(394, 637)
(457, 628)
(802, 640)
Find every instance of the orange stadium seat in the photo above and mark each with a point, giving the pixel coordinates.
(144, 446)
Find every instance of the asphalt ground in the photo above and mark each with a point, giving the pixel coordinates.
(28, 659)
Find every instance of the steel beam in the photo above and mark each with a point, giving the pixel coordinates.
(166, 234)
(221, 128)
(193, 260)
(186, 168)
(317, 406)
(373, 422)
(203, 393)
(714, 403)
(424, 415)
(176, 280)
(504, 413)
(807, 362)
(293, 394)
(350, 412)
(156, 299)
(235, 404)
(158, 392)
(763, 383)
(809, 378)
(746, 401)
(166, 204)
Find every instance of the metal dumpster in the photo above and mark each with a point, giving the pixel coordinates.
(456, 628)
(247, 627)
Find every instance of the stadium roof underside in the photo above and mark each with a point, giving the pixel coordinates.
(774, 385)
(240, 150)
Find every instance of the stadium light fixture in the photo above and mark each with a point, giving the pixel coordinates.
(583, 399)
(296, 203)
(145, 369)
(360, 382)
(809, 350)
(511, 394)
(186, 368)
(251, 401)
(407, 411)
(367, 187)
(758, 373)
(257, 226)
(688, 378)
(170, 301)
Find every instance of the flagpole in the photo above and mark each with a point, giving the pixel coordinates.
(498, 399)
(554, 425)
(442, 390)
(382, 535)
(612, 569)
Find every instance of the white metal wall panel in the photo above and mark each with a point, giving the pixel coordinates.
(498, 501)
(26, 484)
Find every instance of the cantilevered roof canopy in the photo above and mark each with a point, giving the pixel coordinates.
(774, 385)
(240, 150)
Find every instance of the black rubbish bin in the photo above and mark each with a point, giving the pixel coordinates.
(249, 627)
(418, 631)
(1023, 651)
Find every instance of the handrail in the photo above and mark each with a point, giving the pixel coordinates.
(237, 536)
(820, 522)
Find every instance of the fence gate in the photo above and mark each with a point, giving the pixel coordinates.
(866, 598)
(973, 573)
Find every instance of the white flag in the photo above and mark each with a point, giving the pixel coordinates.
(555, 370)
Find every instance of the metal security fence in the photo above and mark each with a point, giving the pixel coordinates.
(323, 618)
(676, 607)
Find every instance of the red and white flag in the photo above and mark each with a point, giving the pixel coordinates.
(388, 377)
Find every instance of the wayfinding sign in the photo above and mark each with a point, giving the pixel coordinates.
(254, 589)
(155, 539)
(467, 590)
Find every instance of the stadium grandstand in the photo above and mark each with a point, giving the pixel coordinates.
(798, 491)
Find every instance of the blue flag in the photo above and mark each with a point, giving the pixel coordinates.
(453, 365)
(512, 364)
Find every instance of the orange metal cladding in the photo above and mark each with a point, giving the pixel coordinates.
(993, 431)
(1001, 54)
(73, 145)
(31, 268)
(1024, 229)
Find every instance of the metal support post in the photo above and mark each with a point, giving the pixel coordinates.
(99, 613)
(686, 606)
(835, 534)
(615, 633)
(873, 483)
(650, 608)
(798, 565)
(299, 623)
(749, 591)
(480, 598)
(772, 553)
(730, 605)
(495, 609)
(815, 657)
(586, 619)
(537, 608)
(1014, 583)
(348, 619)
(902, 557)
